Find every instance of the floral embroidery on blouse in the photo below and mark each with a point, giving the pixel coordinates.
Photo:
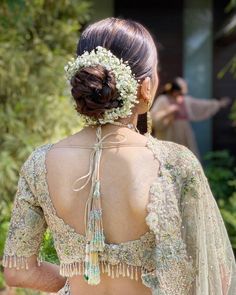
(186, 251)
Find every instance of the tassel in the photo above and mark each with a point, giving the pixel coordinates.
(92, 270)
(132, 273)
(112, 272)
(83, 267)
(123, 270)
(109, 270)
(79, 268)
(62, 270)
(95, 236)
(117, 271)
(15, 262)
(39, 260)
(106, 267)
(10, 262)
(128, 274)
(26, 265)
(136, 273)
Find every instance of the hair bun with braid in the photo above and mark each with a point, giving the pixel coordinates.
(94, 91)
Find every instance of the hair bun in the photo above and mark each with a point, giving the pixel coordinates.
(94, 91)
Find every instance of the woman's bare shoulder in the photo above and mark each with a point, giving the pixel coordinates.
(87, 137)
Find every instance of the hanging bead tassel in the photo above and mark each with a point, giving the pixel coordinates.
(117, 271)
(95, 236)
(95, 240)
(136, 273)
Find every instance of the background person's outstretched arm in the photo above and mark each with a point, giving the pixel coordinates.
(202, 109)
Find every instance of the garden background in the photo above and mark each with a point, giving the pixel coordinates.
(37, 39)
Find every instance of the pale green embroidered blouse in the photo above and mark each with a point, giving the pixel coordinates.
(187, 250)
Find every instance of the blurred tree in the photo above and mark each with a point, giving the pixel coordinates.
(231, 5)
(37, 38)
(230, 29)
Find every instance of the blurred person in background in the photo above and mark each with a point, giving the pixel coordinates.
(174, 109)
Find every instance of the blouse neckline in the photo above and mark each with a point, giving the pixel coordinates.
(157, 156)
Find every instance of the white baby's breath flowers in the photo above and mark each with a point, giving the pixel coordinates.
(126, 84)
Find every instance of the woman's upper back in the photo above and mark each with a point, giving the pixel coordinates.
(176, 195)
(126, 174)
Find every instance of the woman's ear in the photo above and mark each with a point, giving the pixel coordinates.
(145, 90)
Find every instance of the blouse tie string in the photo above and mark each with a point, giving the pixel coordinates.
(95, 239)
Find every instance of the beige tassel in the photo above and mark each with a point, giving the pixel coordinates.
(76, 268)
(117, 271)
(14, 259)
(10, 262)
(79, 268)
(106, 267)
(128, 274)
(109, 269)
(120, 268)
(83, 267)
(132, 273)
(22, 263)
(136, 273)
(123, 270)
(112, 272)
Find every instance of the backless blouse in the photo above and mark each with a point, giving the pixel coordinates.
(186, 251)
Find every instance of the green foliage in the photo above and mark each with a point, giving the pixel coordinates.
(220, 170)
(230, 6)
(37, 38)
(48, 252)
(5, 210)
(228, 211)
(221, 173)
(2, 283)
(230, 67)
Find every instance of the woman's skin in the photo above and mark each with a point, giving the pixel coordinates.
(125, 190)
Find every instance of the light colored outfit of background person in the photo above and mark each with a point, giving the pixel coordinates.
(171, 118)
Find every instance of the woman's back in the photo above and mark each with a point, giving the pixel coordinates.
(126, 175)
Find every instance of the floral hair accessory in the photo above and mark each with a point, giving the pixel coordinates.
(126, 84)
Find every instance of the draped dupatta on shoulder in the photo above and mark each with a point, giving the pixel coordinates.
(193, 253)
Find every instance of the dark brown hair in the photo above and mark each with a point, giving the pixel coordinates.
(94, 88)
(171, 87)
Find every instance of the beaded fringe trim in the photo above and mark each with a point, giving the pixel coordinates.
(18, 262)
(77, 268)
(113, 271)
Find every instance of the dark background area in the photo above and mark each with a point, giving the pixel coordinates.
(224, 134)
(165, 20)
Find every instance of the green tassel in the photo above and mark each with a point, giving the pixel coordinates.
(92, 269)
